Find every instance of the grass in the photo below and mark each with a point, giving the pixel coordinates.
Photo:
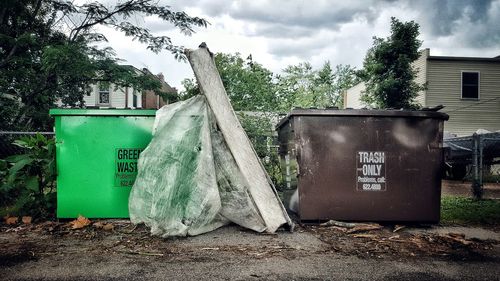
(464, 210)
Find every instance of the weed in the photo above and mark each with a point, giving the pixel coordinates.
(456, 209)
(27, 181)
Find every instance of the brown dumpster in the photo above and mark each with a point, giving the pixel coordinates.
(363, 165)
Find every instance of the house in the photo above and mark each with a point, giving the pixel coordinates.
(104, 95)
(468, 87)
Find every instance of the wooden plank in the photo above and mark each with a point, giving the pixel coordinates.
(261, 189)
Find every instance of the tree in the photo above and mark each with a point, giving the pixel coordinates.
(302, 86)
(344, 77)
(248, 84)
(297, 87)
(49, 52)
(388, 74)
(252, 87)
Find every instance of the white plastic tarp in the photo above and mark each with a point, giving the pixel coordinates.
(188, 182)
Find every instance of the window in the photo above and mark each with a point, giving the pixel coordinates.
(470, 85)
(103, 98)
(134, 100)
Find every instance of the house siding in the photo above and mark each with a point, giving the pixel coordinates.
(445, 87)
(352, 97)
(117, 97)
(91, 98)
(420, 66)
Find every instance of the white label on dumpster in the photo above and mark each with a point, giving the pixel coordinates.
(370, 170)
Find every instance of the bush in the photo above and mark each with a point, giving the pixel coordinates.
(28, 181)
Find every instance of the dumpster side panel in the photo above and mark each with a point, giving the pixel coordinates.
(369, 168)
(96, 162)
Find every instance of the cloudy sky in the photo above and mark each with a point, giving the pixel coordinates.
(280, 33)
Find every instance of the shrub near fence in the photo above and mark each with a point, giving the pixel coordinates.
(7, 138)
(27, 176)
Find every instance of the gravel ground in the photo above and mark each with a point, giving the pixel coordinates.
(54, 252)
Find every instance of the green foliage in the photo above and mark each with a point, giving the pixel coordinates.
(260, 130)
(190, 89)
(252, 87)
(388, 74)
(27, 181)
(302, 86)
(248, 84)
(50, 50)
(469, 211)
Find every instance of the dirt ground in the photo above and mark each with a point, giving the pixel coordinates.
(118, 250)
(55, 251)
(463, 188)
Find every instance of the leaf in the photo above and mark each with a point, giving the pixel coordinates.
(80, 222)
(3, 165)
(22, 143)
(26, 219)
(18, 166)
(32, 183)
(11, 220)
(98, 225)
(16, 158)
(108, 227)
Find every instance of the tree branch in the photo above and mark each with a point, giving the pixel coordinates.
(16, 44)
(122, 8)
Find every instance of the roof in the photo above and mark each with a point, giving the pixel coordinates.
(478, 59)
(165, 86)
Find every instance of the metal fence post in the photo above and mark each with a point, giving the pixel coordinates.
(477, 189)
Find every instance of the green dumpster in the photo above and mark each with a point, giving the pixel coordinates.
(97, 152)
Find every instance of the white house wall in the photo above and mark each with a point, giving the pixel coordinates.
(117, 97)
(130, 101)
(420, 66)
(90, 100)
(352, 98)
(139, 100)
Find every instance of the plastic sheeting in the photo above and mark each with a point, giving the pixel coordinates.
(188, 182)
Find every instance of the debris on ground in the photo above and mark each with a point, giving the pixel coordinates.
(350, 227)
(398, 227)
(375, 240)
(104, 226)
(10, 220)
(80, 222)
(456, 237)
(364, 227)
(124, 238)
(26, 219)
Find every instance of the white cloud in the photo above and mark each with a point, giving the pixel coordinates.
(279, 33)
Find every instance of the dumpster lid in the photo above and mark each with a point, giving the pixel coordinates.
(363, 113)
(101, 112)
